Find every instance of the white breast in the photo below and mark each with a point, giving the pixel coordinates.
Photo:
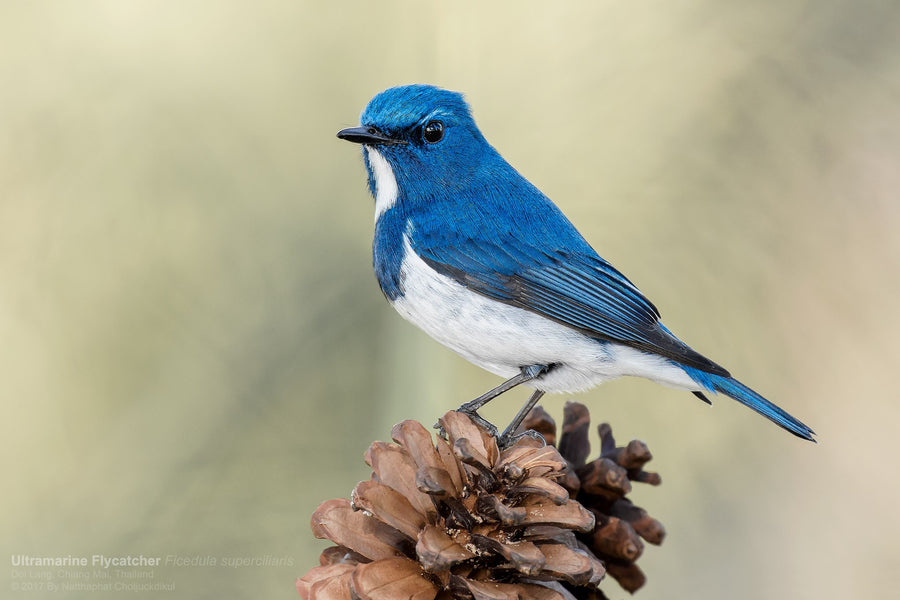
(502, 338)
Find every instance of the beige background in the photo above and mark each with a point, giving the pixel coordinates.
(195, 352)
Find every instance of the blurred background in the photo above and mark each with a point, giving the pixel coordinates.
(195, 352)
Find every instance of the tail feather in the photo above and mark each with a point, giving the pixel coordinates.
(735, 389)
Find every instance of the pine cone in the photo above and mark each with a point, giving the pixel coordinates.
(455, 519)
(601, 486)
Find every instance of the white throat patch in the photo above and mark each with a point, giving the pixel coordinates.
(385, 182)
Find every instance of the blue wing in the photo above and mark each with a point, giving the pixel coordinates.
(576, 288)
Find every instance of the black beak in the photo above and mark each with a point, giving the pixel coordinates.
(367, 135)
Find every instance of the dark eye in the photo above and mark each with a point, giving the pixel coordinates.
(433, 132)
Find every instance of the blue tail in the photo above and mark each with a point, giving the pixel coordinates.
(740, 392)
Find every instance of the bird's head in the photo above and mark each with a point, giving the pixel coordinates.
(418, 140)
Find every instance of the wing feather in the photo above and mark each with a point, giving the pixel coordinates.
(575, 289)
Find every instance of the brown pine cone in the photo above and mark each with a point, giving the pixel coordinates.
(456, 519)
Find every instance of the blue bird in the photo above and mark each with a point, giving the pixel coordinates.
(476, 256)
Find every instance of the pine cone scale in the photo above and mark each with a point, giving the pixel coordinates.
(397, 578)
(438, 551)
(389, 506)
(337, 521)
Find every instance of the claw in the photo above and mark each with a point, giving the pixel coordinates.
(508, 439)
(482, 422)
(441, 431)
(479, 420)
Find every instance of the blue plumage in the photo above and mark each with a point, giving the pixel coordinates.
(470, 251)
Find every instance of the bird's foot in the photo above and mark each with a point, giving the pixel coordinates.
(509, 439)
(479, 420)
(482, 422)
(470, 409)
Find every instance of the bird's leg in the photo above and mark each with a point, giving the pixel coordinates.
(509, 436)
(525, 374)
